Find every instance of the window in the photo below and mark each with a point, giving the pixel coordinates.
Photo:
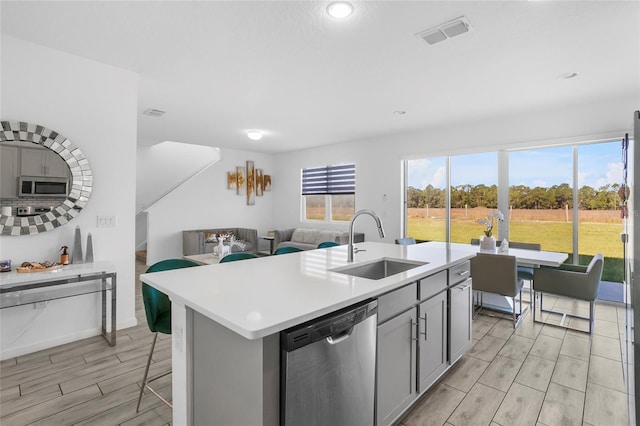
(328, 193)
(425, 198)
(474, 194)
(566, 198)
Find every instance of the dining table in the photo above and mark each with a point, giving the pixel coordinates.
(524, 257)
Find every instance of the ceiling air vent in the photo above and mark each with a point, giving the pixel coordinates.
(444, 31)
(154, 112)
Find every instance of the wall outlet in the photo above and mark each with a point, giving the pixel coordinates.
(106, 221)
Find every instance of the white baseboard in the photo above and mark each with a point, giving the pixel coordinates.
(60, 340)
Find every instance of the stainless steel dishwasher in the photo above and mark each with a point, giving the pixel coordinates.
(328, 369)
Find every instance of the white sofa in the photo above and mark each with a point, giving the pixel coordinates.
(308, 238)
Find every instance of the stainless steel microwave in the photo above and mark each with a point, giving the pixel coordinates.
(42, 186)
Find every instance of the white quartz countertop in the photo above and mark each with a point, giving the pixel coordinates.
(259, 297)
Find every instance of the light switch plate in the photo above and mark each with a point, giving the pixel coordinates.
(106, 221)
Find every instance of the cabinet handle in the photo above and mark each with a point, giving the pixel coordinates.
(462, 288)
(463, 273)
(425, 326)
(413, 326)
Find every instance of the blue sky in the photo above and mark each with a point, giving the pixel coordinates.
(598, 164)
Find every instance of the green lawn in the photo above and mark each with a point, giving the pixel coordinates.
(554, 236)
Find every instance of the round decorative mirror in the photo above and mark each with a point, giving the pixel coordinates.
(46, 179)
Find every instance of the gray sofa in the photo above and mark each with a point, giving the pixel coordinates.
(308, 239)
(200, 241)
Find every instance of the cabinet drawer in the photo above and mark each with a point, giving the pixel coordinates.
(395, 302)
(433, 285)
(459, 273)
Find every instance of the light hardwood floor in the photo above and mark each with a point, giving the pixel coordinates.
(539, 375)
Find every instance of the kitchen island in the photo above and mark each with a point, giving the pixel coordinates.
(226, 319)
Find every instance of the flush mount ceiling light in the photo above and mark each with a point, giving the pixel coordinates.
(444, 31)
(568, 75)
(254, 135)
(340, 9)
(151, 112)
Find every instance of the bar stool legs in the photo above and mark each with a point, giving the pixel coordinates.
(145, 381)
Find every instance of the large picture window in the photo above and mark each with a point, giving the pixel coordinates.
(565, 198)
(328, 193)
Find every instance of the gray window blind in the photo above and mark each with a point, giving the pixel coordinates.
(329, 180)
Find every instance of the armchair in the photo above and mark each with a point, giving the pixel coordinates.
(572, 281)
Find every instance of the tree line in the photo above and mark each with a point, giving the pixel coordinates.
(520, 197)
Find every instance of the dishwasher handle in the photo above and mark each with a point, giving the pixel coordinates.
(340, 337)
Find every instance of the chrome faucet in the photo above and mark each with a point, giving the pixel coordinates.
(358, 213)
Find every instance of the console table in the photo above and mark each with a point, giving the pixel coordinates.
(18, 289)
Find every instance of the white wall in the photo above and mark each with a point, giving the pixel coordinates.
(205, 202)
(378, 160)
(94, 106)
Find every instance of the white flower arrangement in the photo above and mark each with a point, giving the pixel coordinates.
(488, 223)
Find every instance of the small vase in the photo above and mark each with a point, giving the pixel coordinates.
(487, 244)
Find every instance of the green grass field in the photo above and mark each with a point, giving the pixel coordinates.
(552, 235)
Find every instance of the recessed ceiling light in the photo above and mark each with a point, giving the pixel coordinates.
(399, 112)
(254, 135)
(568, 75)
(340, 9)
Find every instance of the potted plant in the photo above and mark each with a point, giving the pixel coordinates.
(487, 241)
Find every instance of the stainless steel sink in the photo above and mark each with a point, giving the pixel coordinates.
(379, 269)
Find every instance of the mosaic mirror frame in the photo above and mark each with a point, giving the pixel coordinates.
(81, 178)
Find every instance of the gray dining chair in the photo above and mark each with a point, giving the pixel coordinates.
(572, 281)
(497, 273)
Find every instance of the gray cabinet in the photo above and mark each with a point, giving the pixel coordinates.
(42, 162)
(423, 328)
(396, 372)
(10, 172)
(432, 340)
(460, 313)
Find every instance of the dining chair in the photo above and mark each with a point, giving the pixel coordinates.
(157, 308)
(326, 244)
(287, 249)
(406, 241)
(572, 281)
(497, 273)
(232, 257)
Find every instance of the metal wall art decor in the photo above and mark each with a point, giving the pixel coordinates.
(259, 183)
(251, 184)
(249, 181)
(81, 182)
(241, 181)
(232, 180)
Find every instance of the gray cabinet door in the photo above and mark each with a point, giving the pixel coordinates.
(432, 340)
(459, 320)
(396, 386)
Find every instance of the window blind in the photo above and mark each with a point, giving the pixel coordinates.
(339, 179)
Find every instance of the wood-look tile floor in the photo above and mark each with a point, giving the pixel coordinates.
(539, 375)
(88, 382)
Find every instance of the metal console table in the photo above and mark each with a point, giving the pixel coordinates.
(18, 289)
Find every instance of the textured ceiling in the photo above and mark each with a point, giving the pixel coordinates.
(221, 68)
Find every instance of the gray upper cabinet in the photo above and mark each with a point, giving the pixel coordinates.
(42, 162)
(10, 172)
(432, 340)
(396, 381)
